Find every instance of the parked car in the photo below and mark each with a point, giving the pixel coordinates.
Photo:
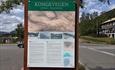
(20, 44)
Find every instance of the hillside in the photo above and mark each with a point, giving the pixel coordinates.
(92, 26)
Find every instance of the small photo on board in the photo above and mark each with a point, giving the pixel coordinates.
(33, 34)
(44, 35)
(68, 44)
(68, 35)
(56, 35)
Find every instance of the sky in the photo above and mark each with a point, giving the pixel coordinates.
(96, 6)
(9, 21)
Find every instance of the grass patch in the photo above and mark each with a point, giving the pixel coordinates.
(81, 67)
(7, 43)
(104, 40)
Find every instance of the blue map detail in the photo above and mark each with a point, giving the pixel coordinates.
(67, 54)
(66, 61)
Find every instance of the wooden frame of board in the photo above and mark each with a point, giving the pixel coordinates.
(26, 40)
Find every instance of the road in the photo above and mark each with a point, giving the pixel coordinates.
(11, 57)
(97, 56)
(93, 56)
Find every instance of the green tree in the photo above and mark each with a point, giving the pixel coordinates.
(88, 16)
(20, 31)
(9, 4)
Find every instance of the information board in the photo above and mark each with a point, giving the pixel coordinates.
(51, 33)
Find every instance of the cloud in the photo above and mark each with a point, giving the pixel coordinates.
(94, 10)
(97, 6)
(8, 22)
(18, 9)
(91, 6)
(112, 7)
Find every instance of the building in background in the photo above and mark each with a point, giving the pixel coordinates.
(8, 40)
(108, 28)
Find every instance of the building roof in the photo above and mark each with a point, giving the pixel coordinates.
(112, 19)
